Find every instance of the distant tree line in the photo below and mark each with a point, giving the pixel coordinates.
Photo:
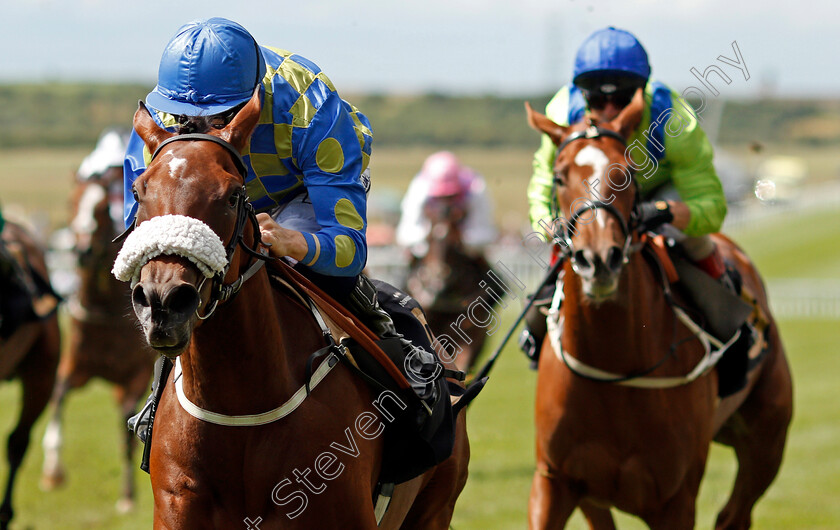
(73, 115)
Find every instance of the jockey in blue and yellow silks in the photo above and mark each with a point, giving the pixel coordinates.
(310, 145)
(307, 164)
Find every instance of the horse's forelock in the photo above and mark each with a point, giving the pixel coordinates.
(194, 124)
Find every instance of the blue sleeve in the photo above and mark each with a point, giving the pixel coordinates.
(330, 156)
(133, 166)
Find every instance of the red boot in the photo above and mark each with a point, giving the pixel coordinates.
(714, 266)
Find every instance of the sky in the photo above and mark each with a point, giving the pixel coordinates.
(499, 47)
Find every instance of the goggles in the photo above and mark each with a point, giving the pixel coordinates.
(598, 99)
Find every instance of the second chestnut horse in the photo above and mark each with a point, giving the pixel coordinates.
(633, 432)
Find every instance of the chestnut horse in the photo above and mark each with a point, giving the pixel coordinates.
(446, 279)
(636, 434)
(104, 339)
(244, 351)
(30, 353)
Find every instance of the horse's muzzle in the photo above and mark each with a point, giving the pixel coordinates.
(599, 274)
(167, 313)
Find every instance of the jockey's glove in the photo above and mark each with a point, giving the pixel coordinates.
(654, 214)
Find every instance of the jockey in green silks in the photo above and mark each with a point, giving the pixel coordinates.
(681, 192)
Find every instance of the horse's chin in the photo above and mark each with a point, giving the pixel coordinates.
(170, 341)
(598, 291)
(171, 352)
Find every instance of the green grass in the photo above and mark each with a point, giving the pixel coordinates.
(795, 246)
(804, 495)
(500, 422)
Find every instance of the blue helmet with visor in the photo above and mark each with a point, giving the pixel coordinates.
(207, 68)
(611, 59)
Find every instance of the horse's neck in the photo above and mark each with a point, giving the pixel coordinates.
(237, 360)
(635, 319)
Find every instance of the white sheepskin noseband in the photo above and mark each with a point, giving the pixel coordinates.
(177, 235)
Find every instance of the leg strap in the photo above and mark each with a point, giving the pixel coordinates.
(162, 368)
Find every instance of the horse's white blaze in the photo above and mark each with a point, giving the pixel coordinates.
(592, 156)
(176, 163)
(85, 222)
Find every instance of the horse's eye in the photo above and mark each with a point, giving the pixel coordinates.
(559, 178)
(134, 192)
(233, 200)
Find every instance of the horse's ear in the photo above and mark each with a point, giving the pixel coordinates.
(542, 123)
(146, 127)
(243, 124)
(630, 117)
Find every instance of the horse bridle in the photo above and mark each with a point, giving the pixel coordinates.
(567, 248)
(219, 291)
(627, 229)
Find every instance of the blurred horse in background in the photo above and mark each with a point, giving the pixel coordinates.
(103, 338)
(448, 278)
(29, 342)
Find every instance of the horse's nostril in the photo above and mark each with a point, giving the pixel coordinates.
(615, 259)
(138, 296)
(581, 261)
(183, 299)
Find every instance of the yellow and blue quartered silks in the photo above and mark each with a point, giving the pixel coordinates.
(674, 150)
(307, 140)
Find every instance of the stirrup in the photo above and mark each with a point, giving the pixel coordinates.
(530, 347)
(139, 423)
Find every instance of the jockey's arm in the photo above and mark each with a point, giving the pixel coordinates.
(283, 241)
(703, 204)
(330, 156)
(542, 179)
(540, 186)
(133, 166)
(681, 213)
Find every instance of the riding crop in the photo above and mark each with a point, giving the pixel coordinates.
(492, 360)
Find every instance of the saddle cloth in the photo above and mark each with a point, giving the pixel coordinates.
(722, 313)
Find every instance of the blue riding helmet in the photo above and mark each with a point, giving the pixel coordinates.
(612, 55)
(208, 67)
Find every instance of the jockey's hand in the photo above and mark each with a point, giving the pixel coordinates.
(281, 241)
(654, 214)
